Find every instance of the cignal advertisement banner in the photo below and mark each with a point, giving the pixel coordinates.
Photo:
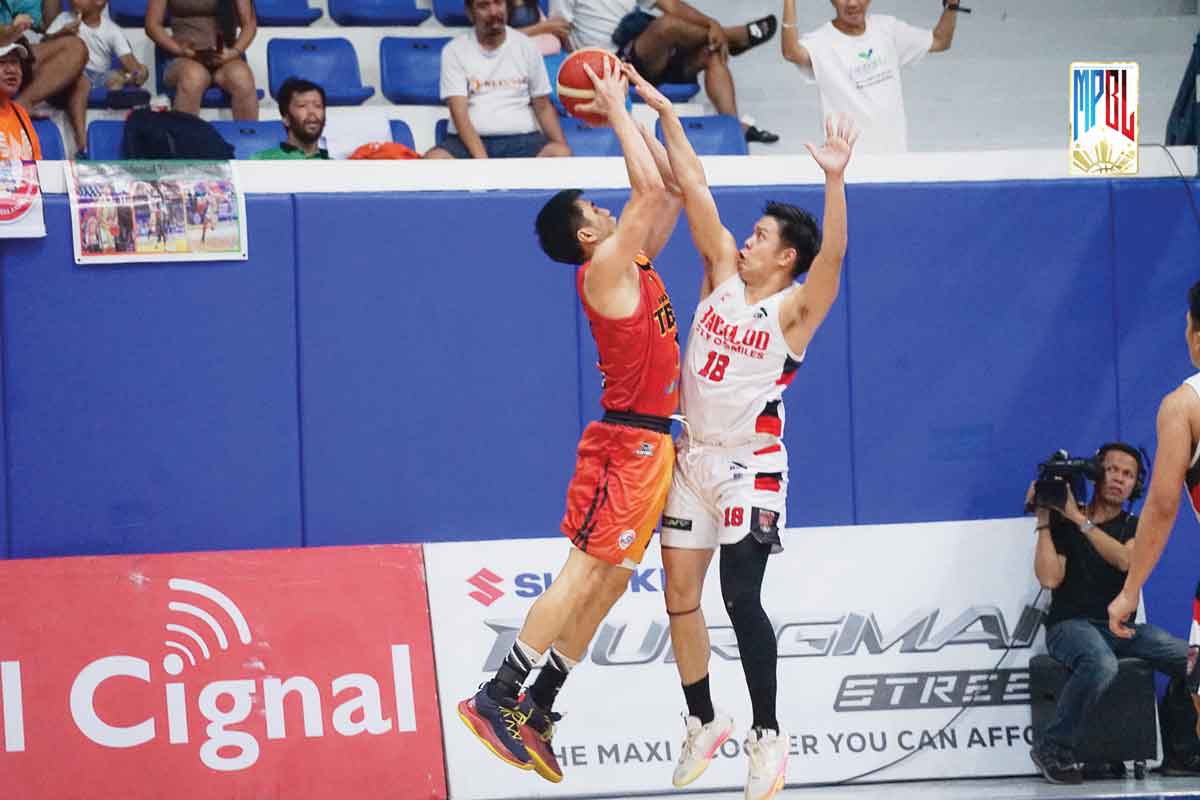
(895, 641)
(302, 674)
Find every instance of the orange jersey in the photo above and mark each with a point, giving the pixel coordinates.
(639, 355)
(18, 140)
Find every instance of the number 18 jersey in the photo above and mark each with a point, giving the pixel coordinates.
(735, 369)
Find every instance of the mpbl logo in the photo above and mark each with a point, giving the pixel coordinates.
(1103, 118)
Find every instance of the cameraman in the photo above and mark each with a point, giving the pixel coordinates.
(1082, 556)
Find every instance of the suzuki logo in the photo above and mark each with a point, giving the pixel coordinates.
(484, 581)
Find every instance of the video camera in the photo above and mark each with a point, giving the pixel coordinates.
(1058, 472)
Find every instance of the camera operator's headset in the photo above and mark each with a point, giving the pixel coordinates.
(1139, 454)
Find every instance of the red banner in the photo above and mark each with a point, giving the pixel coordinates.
(265, 674)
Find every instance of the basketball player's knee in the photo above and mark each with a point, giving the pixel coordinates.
(744, 607)
(681, 592)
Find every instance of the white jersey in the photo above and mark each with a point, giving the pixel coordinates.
(736, 367)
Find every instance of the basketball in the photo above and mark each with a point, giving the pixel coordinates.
(575, 87)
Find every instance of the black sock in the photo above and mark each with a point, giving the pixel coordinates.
(549, 681)
(699, 700)
(742, 568)
(511, 676)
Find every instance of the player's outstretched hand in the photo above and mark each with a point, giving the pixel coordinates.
(1118, 611)
(840, 136)
(646, 90)
(612, 89)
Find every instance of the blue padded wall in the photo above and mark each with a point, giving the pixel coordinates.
(4, 531)
(152, 407)
(1157, 255)
(438, 368)
(982, 339)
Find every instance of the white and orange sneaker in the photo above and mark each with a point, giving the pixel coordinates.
(768, 754)
(699, 747)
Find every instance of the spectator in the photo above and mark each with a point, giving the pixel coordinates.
(302, 111)
(672, 48)
(1082, 556)
(18, 139)
(206, 45)
(549, 33)
(855, 61)
(494, 81)
(104, 40)
(56, 64)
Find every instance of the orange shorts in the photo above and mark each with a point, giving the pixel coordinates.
(622, 476)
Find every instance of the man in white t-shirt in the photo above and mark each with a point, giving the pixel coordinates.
(673, 47)
(495, 84)
(855, 61)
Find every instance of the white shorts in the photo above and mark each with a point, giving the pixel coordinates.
(719, 495)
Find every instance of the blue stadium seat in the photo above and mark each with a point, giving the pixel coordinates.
(132, 97)
(586, 141)
(104, 139)
(716, 135)
(377, 12)
(410, 69)
(441, 130)
(50, 140)
(401, 133)
(450, 12)
(553, 62)
(285, 13)
(248, 138)
(675, 92)
(214, 96)
(331, 63)
(128, 13)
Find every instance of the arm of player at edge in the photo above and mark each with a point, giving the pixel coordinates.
(716, 245)
(805, 307)
(1162, 503)
(668, 217)
(612, 263)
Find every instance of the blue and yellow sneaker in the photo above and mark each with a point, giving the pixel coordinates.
(536, 733)
(497, 726)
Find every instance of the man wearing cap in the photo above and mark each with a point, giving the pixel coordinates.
(18, 139)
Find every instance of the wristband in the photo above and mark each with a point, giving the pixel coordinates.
(949, 6)
(1087, 526)
(1042, 528)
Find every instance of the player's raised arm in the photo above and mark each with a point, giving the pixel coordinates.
(805, 307)
(612, 263)
(715, 244)
(668, 217)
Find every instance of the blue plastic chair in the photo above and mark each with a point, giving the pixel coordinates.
(100, 97)
(401, 133)
(285, 13)
(675, 92)
(104, 139)
(127, 13)
(451, 13)
(214, 96)
(330, 63)
(249, 138)
(377, 12)
(411, 69)
(715, 135)
(587, 141)
(441, 129)
(50, 140)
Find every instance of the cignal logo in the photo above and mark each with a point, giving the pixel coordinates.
(202, 618)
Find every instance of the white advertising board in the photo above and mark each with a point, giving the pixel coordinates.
(885, 634)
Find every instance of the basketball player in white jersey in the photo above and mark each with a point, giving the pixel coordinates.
(747, 339)
(1176, 464)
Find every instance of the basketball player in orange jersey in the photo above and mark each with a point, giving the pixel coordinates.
(748, 337)
(1176, 464)
(624, 463)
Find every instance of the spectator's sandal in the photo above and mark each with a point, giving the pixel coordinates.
(761, 30)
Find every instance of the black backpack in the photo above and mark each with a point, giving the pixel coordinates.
(1177, 718)
(158, 135)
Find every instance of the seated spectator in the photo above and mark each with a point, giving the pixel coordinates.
(18, 139)
(672, 48)
(57, 64)
(494, 81)
(867, 87)
(207, 42)
(302, 111)
(549, 33)
(104, 40)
